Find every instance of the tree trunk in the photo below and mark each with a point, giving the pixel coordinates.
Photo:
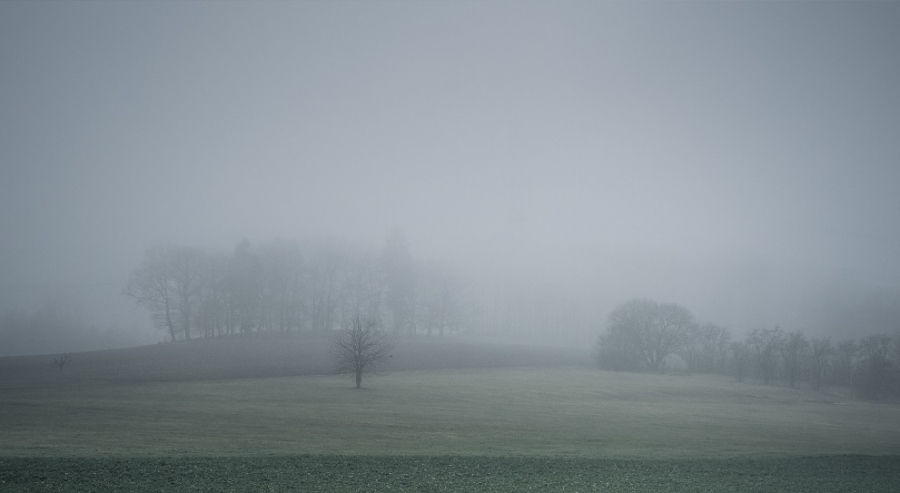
(358, 378)
(187, 325)
(169, 323)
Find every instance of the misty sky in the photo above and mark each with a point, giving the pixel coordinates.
(691, 152)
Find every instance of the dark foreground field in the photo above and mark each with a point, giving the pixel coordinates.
(450, 474)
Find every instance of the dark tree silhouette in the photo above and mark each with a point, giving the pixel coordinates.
(61, 360)
(361, 347)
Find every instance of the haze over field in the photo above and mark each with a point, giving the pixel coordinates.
(740, 159)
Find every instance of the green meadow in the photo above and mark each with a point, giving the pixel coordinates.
(569, 412)
(507, 428)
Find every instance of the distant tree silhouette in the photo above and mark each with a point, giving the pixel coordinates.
(846, 356)
(766, 344)
(441, 298)
(151, 285)
(793, 350)
(61, 360)
(740, 357)
(400, 283)
(820, 356)
(641, 333)
(707, 348)
(873, 377)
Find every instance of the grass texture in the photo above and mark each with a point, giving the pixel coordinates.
(552, 412)
(310, 474)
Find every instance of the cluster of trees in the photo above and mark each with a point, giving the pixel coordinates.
(285, 286)
(645, 335)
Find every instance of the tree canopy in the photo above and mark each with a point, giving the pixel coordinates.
(641, 333)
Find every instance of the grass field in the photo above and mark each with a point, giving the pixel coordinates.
(338, 474)
(513, 428)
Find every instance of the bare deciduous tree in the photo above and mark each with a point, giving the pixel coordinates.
(819, 358)
(167, 283)
(707, 349)
(845, 361)
(400, 283)
(873, 376)
(328, 262)
(151, 286)
(362, 347)
(441, 298)
(741, 358)
(243, 286)
(61, 360)
(793, 348)
(185, 264)
(765, 344)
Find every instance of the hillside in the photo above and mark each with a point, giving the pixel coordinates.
(273, 355)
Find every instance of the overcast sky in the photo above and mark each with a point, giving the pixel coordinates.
(730, 146)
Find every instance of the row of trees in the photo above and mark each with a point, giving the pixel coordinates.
(642, 334)
(284, 286)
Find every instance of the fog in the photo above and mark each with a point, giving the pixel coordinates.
(740, 159)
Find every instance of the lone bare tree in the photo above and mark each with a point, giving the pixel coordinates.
(361, 347)
(61, 361)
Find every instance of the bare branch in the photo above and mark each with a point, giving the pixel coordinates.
(361, 347)
(61, 360)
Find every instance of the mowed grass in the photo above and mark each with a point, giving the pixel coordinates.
(105, 427)
(550, 412)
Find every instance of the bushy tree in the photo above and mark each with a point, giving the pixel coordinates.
(641, 333)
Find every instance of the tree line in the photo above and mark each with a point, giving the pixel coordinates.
(287, 286)
(644, 335)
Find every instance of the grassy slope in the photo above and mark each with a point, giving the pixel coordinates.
(558, 412)
(269, 355)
